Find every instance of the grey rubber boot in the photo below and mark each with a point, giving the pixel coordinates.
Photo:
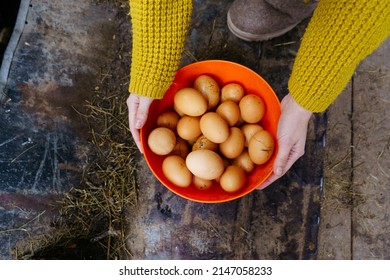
(260, 20)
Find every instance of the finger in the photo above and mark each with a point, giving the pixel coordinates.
(281, 159)
(268, 182)
(293, 157)
(137, 139)
(142, 113)
(132, 103)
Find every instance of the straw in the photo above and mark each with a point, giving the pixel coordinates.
(91, 222)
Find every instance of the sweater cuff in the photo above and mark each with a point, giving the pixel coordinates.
(312, 102)
(142, 86)
(339, 35)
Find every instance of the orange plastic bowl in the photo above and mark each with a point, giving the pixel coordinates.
(223, 72)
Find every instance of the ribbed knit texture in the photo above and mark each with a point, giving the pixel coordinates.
(340, 34)
(159, 30)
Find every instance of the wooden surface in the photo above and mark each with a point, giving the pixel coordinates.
(356, 196)
(371, 157)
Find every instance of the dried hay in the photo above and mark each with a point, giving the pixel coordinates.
(92, 222)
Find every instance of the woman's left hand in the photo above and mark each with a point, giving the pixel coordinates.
(291, 137)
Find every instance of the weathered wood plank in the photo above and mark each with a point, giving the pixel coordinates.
(334, 240)
(371, 156)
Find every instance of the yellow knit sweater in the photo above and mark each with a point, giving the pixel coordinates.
(340, 34)
(159, 31)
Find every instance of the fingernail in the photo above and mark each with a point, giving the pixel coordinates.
(278, 171)
(138, 124)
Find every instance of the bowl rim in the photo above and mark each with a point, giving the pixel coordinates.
(179, 72)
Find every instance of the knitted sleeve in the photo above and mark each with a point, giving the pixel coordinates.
(158, 34)
(340, 34)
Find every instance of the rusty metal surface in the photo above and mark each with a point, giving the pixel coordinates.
(42, 140)
(52, 74)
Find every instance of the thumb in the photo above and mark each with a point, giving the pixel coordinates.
(142, 112)
(281, 159)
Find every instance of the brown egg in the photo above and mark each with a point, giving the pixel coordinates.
(214, 127)
(229, 111)
(181, 148)
(201, 184)
(188, 127)
(202, 143)
(190, 102)
(205, 164)
(161, 140)
(261, 147)
(209, 88)
(168, 119)
(249, 130)
(233, 179)
(226, 163)
(232, 91)
(234, 144)
(244, 161)
(177, 110)
(252, 108)
(176, 171)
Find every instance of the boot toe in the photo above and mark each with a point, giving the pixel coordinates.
(257, 20)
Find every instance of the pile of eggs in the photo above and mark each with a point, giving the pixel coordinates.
(212, 133)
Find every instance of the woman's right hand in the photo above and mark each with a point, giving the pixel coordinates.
(138, 107)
